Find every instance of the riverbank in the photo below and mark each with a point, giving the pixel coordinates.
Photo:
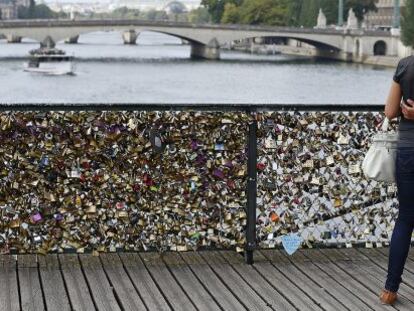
(259, 49)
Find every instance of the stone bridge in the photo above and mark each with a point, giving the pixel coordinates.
(206, 39)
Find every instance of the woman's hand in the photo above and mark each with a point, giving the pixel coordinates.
(408, 110)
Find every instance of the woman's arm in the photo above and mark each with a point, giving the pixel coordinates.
(392, 106)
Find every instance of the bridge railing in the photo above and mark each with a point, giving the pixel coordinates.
(115, 177)
(136, 22)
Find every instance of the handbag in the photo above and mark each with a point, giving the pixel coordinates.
(379, 161)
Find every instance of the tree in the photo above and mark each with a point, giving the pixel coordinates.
(231, 14)
(199, 16)
(293, 14)
(216, 8)
(309, 13)
(360, 7)
(31, 10)
(305, 12)
(151, 15)
(268, 12)
(407, 24)
(41, 11)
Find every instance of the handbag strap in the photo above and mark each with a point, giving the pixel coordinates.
(385, 123)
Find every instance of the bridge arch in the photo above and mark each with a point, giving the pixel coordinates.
(380, 48)
(179, 36)
(60, 36)
(315, 43)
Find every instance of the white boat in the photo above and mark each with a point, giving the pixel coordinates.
(51, 64)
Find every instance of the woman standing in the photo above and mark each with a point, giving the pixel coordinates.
(402, 88)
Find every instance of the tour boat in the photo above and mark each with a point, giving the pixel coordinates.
(50, 61)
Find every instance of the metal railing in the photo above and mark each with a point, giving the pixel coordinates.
(269, 170)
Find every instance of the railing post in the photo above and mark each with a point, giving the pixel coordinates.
(251, 191)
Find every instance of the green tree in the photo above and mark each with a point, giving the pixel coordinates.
(40, 11)
(199, 16)
(330, 9)
(268, 12)
(231, 14)
(31, 9)
(361, 6)
(305, 12)
(216, 8)
(293, 14)
(407, 24)
(123, 12)
(309, 13)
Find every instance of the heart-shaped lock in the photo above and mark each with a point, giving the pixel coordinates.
(291, 242)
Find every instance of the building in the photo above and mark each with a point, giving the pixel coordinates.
(8, 9)
(385, 14)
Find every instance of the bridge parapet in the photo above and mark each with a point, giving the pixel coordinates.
(137, 22)
(178, 177)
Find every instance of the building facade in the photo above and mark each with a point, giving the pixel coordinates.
(8, 9)
(385, 14)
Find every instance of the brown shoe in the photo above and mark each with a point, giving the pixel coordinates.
(387, 297)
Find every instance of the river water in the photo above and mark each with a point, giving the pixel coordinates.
(158, 70)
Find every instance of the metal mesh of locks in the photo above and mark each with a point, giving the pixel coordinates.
(310, 180)
(122, 180)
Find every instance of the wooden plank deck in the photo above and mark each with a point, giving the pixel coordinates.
(311, 279)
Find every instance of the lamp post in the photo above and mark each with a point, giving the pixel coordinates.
(396, 19)
(341, 13)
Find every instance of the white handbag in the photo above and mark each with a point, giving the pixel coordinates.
(379, 162)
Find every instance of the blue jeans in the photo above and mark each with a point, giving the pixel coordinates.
(403, 229)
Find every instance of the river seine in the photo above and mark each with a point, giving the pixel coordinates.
(158, 70)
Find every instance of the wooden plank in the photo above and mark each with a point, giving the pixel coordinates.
(409, 264)
(406, 288)
(356, 289)
(29, 283)
(176, 296)
(77, 287)
(9, 292)
(221, 293)
(332, 286)
(385, 251)
(52, 282)
(410, 252)
(353, 268)
(408, 269)
(279, 281)
(381, 260)
(244, 293)
(121, 283)
(368, 266)
(143, 282)
(200, 296)
(102, 293)
(304, 283)
(249, 274)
